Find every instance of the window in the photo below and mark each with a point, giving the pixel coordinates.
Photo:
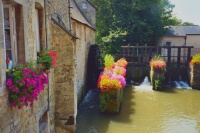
(10, 34)
(168, 44)
(37, 36)
(84, 5)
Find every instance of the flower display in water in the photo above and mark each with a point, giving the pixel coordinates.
(47, 59)
(108, 62)
(108, 72)
(120, 78)
(119, 70)
(122, 62)
(158, 64)
(25, 85)
(105, 83)
(113, 75)
(195, 59)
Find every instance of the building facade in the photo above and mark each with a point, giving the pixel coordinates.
(30, 26)
(182, 36)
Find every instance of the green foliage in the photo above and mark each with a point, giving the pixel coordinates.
(45, 59)
(112, 42)
(108, 60)
(187, 23)
(157, 57)
(159, 83)
(196, 59)
(135, 22)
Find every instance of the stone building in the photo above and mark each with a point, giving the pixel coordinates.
(29, 26)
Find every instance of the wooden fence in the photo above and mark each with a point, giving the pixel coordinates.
(176, 57)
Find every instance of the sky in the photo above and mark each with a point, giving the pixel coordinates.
(187, 10)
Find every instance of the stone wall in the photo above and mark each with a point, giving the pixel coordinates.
(86, 37)
(66, 82)
(26, 119)
(63, 79)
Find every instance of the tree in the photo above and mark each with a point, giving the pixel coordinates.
(187, 23)
(134, 22)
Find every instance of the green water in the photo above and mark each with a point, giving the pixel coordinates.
(144, 111)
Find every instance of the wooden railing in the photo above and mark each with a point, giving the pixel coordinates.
(139, 57)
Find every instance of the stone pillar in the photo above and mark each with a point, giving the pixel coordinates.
(157, 78)
(195, 76)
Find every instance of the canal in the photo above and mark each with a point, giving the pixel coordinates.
(143, 111)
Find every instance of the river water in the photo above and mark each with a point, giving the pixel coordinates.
(143, 111)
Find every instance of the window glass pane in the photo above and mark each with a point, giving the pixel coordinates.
(6, 18)
(84, 5)
(168, 44)
(7, 33)
(37, 30)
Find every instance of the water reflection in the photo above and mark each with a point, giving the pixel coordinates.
(143, 112)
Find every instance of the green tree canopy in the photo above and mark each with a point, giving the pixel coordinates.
(133, 22)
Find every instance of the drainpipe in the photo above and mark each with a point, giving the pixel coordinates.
(70, 24)
(48, 91)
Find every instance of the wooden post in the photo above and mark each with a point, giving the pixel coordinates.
(169, 55)
(189, 54)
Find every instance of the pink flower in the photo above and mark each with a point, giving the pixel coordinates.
(7, 60)
(40, 65)
(53, 55)
(53, 63)
(47, 71)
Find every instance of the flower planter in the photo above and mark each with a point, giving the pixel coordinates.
(195, 76)
(157, 78)
(111, 101)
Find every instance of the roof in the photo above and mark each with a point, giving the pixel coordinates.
(92, 4)
(183, 30)
(78, 15)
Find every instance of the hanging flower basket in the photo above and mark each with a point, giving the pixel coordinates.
(25, 84)
(195, 72)
(157, 73)
(46, 60)
(111, 82)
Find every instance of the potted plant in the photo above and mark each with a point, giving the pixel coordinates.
(157, 72)
(47, 60)
(25, 83)
(195, 72)
(111, 82)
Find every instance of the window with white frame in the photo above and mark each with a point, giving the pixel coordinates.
(10, 35)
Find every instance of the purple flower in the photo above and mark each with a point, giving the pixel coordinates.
(108, 72)
(9, 82)
(120, 78)
(19, 107)
(13, 104)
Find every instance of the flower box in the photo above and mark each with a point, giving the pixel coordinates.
(157, 79)
(157, 73)
(111, 101)
(25, 82)
(111, 82)
(195, 71)
(195, 76)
